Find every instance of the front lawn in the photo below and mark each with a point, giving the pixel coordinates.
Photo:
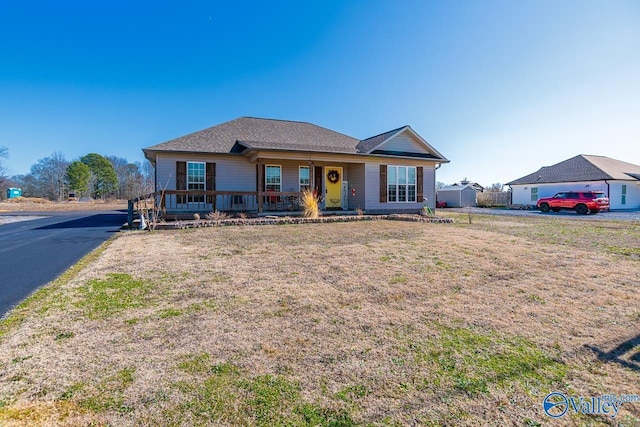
(383, 323)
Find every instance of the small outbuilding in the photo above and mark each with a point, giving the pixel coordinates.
(12, 193)
(457, 196)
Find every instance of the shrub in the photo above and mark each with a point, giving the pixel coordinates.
(217, 216)
(309, 203)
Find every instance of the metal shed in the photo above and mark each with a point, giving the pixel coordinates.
(457, 196)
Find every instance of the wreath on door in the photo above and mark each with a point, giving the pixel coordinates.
(333, 176)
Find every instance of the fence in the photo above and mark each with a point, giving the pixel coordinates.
(496, 198)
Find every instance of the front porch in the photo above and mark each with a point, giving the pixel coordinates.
(198, 201)
(183, 204)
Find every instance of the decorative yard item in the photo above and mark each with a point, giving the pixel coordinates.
(333, 176)
(309, 203)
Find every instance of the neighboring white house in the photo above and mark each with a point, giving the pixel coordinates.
(619, 180)
(254, 164)
(458, 196)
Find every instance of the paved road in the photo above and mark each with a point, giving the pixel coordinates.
(33, 253)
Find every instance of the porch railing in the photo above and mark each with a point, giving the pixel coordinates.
(176, 201)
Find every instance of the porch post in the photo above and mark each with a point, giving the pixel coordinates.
(260, 184)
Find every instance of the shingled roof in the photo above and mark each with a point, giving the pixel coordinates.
(369, 144)
(254, 132)
(582, 168)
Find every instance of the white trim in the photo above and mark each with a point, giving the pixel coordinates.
(337, 157)
(387, 140)
(415, 185)
(309, 177)
(416, 136)
(265, 176)
(191, 199)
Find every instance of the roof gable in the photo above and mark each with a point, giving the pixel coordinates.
(580, 168)
(403, 142)
(616, 169)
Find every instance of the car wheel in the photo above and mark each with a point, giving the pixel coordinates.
(556, 209)
(544, 207)
(582, 209)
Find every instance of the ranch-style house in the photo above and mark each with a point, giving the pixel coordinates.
(263, 165)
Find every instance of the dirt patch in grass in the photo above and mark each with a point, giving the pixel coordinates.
(383, 322)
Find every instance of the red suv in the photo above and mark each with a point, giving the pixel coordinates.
(582, 202)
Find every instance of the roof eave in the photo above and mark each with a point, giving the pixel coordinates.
(415, 135)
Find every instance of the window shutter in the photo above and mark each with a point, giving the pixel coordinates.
(383, 183)
(420, 184)
(181, 180)
(210, 180)
(181, 175)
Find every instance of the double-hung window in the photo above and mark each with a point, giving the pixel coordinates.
(534, 194)
(273, 175)
(304, 178)
(196, 180)
(623, 199)
(401, 184)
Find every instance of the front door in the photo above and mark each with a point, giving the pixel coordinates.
(333, 187)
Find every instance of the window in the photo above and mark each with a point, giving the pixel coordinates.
(196, 180)
(534, 194)
(304, 178)
(273, 178)
(623, 200)
(401, 183)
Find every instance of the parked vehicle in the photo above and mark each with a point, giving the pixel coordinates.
(582, 202)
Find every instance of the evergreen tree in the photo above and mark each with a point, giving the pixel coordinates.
(78, 177)
(105, 179)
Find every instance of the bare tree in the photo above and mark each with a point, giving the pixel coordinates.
(4, 154)
(148, 177)
(49, 176)
(131, 177)
(497, 187)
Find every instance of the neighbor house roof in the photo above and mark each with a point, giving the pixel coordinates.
(458, 187)
(261, 133)
(246, 134)
(582, 168)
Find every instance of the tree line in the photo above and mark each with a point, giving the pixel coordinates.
(93, 175)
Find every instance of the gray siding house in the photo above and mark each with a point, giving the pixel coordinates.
(619, 180)
(254, 164)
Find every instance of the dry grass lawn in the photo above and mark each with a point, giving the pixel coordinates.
(382, 323)
(26, 204)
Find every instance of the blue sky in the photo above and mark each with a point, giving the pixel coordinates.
(500, 88)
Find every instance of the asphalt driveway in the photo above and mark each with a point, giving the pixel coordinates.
(35, 252)
(602, 216)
